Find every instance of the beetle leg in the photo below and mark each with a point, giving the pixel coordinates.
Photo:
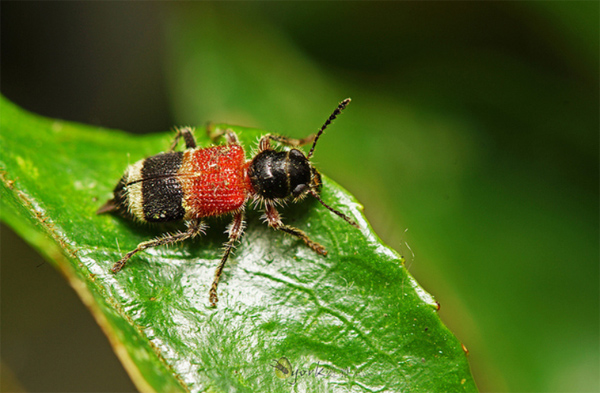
(214, 133)
(236, 229)
(275, 222)
(264, 144)
(194, 228)
(331, 209)
(188, 136)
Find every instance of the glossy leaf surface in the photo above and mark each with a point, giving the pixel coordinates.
(287, 318)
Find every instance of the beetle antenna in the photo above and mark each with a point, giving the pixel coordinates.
(335, 114)
(331, 209)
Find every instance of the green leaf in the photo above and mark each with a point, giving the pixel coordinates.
(288, 319)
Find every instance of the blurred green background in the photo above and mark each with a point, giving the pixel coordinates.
(472, 140)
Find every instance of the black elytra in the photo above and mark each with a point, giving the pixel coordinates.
(160, 194)
(161, 191)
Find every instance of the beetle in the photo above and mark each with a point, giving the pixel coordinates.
(203, 182)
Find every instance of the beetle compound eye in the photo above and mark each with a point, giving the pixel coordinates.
(299, 190)
(297, 155)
